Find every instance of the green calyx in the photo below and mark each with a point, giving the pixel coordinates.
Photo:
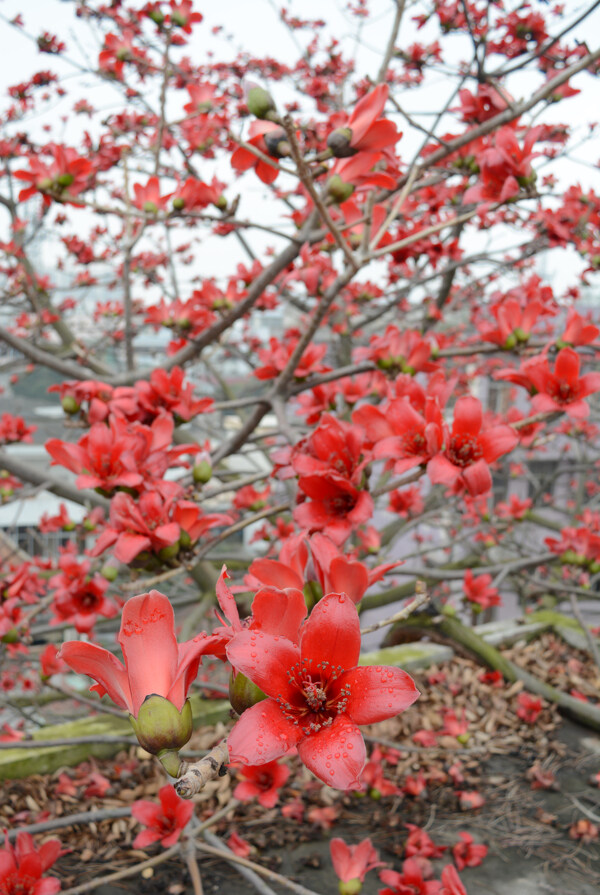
(160, 727)
(349, 887)
(243, 694)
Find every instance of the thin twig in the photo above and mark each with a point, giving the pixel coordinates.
(123, 874)
(220, 850)
(420, 599)
(307, 181)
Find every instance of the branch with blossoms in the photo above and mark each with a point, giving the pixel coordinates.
(287, 337)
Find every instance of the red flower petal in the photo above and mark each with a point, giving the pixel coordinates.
(478, 478)
(262, 734)
(100, 664)
(276, 574)
(129, 546)
(266, 659)
(468, 416)
(336, 754)
(441, 471)
(349, 577)
(279, 612)
(147, 638)
(378, 693)
(567, 366)
(498, 441)
(332, 632)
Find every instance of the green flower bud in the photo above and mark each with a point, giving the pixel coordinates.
(338, 190)
(157, 16)
(521, 335)
(202, 472)
(260, 103)
(46, 183)
(178, 19)
(178, 203)
(109, 572)
(160, 727)
(65, 180)
(168, 553)
(70, 405)
(243, 694)
(150, 207)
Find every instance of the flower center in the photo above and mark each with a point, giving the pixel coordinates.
(340, 505)
(464, 450)
(18, 885)
(414, 443)
(562, 392)
(318, 697)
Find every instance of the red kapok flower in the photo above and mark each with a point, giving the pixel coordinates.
(165, 821)
(469, 450)
(353, 862)
(242, 159)
(22, 866)
(365, 129)
(479, 592)
(529, 708)
(467, 853)
(564, 389)
(315, 703)
(262, 781)
(409, 882)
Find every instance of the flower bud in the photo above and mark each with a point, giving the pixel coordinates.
(178, 18)
(109, 572)
(521, 335)
(243, 694)
(260, 103)
(160, 727)
(178, 203)
(65, 180)
(150, 207)
(202, 472)
(170, 552)
(339, 142)
(156, 15)
(277, 144)
(338, 190)
(70, 405)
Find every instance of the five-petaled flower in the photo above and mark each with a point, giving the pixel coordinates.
(22, 866)
(469, 450)
(317, 694)
(262, 781)
(165, 821)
